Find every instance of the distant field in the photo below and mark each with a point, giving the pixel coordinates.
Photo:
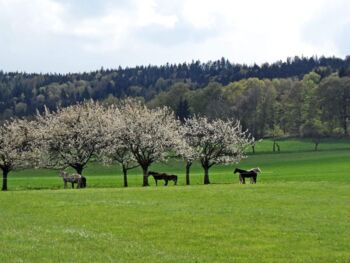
(302, 145)
(296, 162)
(298, 212)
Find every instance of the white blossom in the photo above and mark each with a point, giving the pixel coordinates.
(17, 146)
(215, 142)
(72, 136)
(150, 134)
(115, 150)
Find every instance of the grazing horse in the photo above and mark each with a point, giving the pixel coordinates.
(73, 178)
(252, 174)
(163, 176)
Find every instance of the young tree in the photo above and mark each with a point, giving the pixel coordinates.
(187, 151)
(276, 133)
(116, 150)
(150, 134)
(314, 130)
(216, 142)
(17, 146)
(71, 136)
(123, 156)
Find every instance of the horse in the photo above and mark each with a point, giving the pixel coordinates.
(252, 174)
(163, 176)
(73, 178)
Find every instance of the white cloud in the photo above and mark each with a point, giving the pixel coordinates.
(330, 28)
(155, 31)
(146, 15)
(32, 17)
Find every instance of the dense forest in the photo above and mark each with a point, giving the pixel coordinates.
(299, 97)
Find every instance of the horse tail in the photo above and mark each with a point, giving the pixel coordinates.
(83, 181)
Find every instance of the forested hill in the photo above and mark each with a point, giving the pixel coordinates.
(267, 98)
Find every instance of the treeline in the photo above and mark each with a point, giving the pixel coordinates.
(301, 96)
(310, 107)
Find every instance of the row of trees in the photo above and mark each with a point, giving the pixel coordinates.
(22, 94)
(128, 133)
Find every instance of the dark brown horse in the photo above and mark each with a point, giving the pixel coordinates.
(163, 176)
(252, 174)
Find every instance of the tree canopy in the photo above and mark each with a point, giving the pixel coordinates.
(284, 95)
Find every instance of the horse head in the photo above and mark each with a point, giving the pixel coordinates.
(63, 174)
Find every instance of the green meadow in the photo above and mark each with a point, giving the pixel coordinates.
(299, 211)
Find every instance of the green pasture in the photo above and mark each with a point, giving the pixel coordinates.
(299, 211)
(296, 162)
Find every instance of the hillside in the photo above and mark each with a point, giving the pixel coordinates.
(306, 97)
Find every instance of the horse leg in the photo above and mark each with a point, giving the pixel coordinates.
(166, 182)
(72, 185)
(175, 182)
(240, 179)
(243, 179)
(65, 184)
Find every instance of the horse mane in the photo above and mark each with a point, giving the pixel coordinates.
(256, 170)
(64, 174)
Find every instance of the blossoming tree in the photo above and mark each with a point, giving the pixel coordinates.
(216, 142)
(71, 136)
(150, 134)
(17, 144)
(187, 151)
(115, 150)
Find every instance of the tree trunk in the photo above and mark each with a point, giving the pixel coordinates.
(188, 167)
(145, 176)
(274, 146)
(316, 145)
(4, 179)
(253, 149)
(206, 174)
(278, 147)
(79, 169)
(125, 174)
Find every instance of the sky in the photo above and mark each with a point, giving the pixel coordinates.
(61, 36)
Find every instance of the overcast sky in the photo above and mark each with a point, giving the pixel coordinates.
(84, 35)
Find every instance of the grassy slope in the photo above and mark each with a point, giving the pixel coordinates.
(298, 212)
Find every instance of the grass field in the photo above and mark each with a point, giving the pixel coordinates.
(298, 212)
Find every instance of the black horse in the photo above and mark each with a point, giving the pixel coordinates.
(252, 174)
(163, 176)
